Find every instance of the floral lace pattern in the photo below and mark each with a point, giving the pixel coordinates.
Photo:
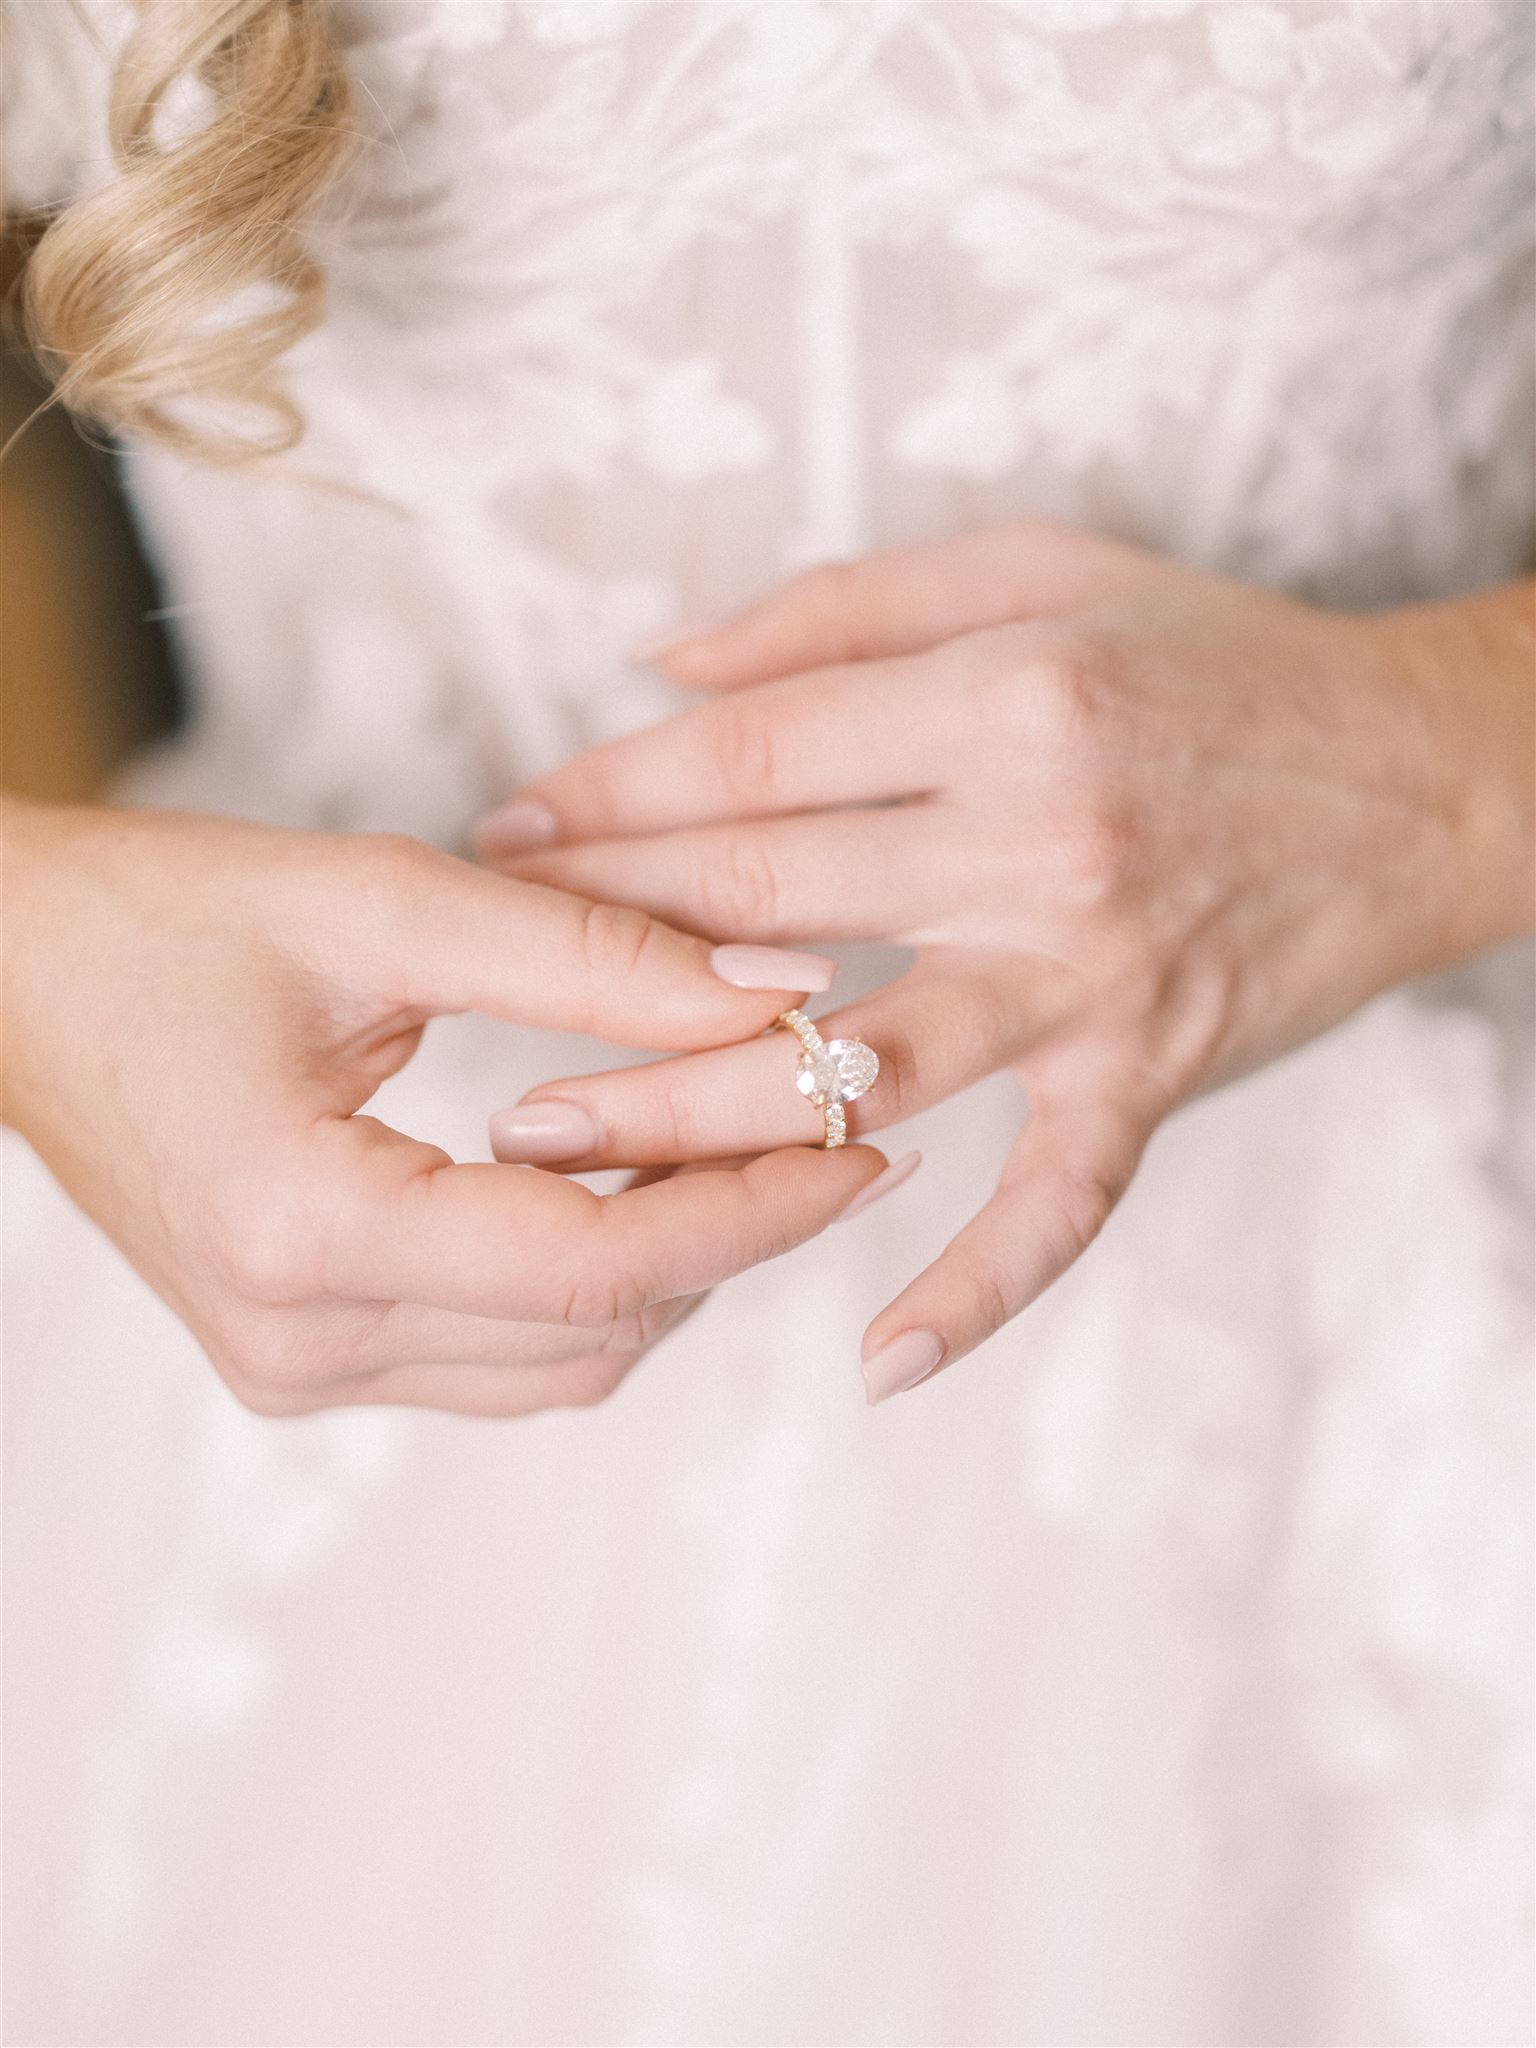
(1129, 230)
(1162, 1676)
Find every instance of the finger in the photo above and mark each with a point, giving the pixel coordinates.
(826, 876)
(936, 1031)
(491, 1391)
(903, 600)
(397, 1354)
(808, 742)
(1068, 1170)
(407, 1336)
(508, 1241)
(515, 1383)
(449, 936)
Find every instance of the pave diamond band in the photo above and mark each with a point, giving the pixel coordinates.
(831, 1072)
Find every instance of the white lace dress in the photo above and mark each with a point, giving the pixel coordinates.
(1159, 1677)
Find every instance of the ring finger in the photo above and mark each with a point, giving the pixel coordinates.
(536, 1367)
(409, 1336)
(400, 1354)
(937, 1031)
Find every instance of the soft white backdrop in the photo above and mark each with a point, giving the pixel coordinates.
(1160, 1675)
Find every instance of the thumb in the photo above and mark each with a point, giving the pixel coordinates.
(451, 936)
(905, 600)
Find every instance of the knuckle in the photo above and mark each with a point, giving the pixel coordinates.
(998, 681)
(1081, 1200)
(263, 1255)
(395, 862)
(593, 1380)
(663, 1121)
(1172, 1055)
(1096, 855)
(740, 892)
(271, 1402)
(1069, 686)
(661, 1317)
(598, 1295)
(756, 1227)
(900, 1086)
(681, 1129)
(998, 1015)
(775, 1236)
(392, 849)
(279, 1366)
(628, 1337)
(613, 938)
(747, 750)
(994, 1293)
(986, 1026)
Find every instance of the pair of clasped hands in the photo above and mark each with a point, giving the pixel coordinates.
(1144, 829)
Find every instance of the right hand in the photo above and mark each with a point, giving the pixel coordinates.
(196, 1011)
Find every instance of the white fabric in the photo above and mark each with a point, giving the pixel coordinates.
(1161, 1675)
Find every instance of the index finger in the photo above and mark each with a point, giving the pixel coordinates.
(449, 936)
(512, 1241)
(832, 736)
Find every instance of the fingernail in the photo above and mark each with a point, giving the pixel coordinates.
(767, 967)
(657, 646)
(517, 827)
(883, 1184)
(904, 1363)
(536, 1133)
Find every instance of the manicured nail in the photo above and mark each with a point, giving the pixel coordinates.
(518, 827)
(537, 1133)
(904, 1363)
(767, 967)
(657, 646)
(883, 1184)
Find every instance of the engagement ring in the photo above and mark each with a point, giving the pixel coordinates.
(831, 1072)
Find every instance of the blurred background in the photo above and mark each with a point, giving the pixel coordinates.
(86, 672)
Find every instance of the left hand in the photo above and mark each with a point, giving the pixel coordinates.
(1145, 828)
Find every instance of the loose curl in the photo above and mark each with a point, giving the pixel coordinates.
(187, 277)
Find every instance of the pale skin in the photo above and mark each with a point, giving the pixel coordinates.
(1145, 828)
(196, 1013)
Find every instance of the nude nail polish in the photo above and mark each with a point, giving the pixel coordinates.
(769, 967)
(882, 1185)
(518, 827)
(540, 1133)
(902, 1364)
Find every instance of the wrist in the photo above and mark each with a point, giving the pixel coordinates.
(1467, 666)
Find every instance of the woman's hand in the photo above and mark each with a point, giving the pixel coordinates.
(195, 1013)
(1145, 828)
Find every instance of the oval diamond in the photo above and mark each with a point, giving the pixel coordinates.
(843, 1070)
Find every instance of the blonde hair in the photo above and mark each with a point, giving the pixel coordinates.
(188, 277)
